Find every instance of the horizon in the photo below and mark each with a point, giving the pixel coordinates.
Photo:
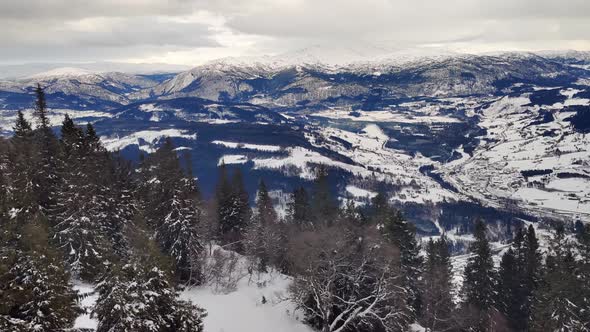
(190, 32)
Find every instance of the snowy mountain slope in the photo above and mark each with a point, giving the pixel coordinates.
(75, 88)
(318, 83)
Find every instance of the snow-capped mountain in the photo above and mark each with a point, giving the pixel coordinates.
(450, 136)
(320, 84)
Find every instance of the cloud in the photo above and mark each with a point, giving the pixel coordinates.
(192, 31)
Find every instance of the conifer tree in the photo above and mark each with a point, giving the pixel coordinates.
(403, 235)
(233, 209)
(509, 292)
(22, 127)
(137, 298)
(81, 206)
(299, 209)
(35, 290)
(437, 303)
(46, 164)
(71, 135)
(559, 301)
(261, 240)
(173, 212)
(478, 285)
(323, 205)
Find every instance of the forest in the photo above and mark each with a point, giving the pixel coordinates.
(142, 232)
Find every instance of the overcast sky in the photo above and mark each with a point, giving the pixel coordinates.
(194, 31)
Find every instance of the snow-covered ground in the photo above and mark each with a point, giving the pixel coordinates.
(233, 305)
(514, 143)
(89, 297)
(144, 139)
(243, 310)
(384, 116)
(55, 116)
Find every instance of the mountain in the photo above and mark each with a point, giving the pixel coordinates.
(449, 136)
(12, 72)
(76, 88)
(319, 85)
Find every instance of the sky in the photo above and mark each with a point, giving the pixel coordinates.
(191, 32)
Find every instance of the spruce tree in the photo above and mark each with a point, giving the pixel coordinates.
(559, 301)
(81, 206)
(261, 240)
(173, 211)
(139, 298)
(22, 127)
(233, 208)
(299, 209)
(35, 290)
(478, 284)
(509, 289)
(71, 135)
(437, 303)
(398, 231)
(46, 176)
(323, 205)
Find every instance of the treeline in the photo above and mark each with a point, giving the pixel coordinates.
(70, 209)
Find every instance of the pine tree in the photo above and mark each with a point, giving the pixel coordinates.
(584, 268)
(46, 177)
(437, 303)
(173, 212)
(22, 127)
(323, 205)
(379, 208)
(71, 135)
(299, 209)
(559, 302)
(82, 201)
(509, 289)
(402, 234)
(41, 108)
(233, 208)
(478, 284)
(136, 298)
(35, 290)
(260, 238)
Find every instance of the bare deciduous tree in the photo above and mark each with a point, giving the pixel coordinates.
(348, 280)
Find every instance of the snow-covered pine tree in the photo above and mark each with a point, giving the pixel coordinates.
(518, 278)
(82, 200)
(559, 301)
(509, 292)
(72, 136)
(323, 205)
(138, 298)
(478, 284)
(35, 290)
(437, 301)
(299, 209)
(261, 241)
(47, 156)
(398, 231)
(233, 208)
(584, 268)
(174, 212)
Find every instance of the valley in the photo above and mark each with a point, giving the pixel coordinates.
(492, 131)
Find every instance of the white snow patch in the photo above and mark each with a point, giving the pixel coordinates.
(258, 147)
(243, 310)
(359, 192)
(85, 321)
(144, 139)
(232, 159)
